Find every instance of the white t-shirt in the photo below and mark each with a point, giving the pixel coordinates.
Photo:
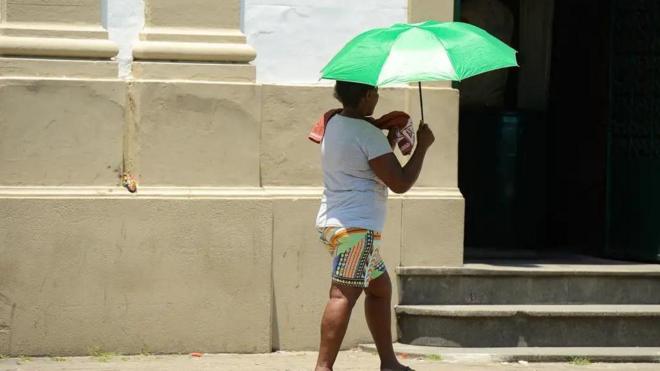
(353, 196)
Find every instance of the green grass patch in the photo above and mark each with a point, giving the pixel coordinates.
(433, 357)
(145, 352)
(580, 361)
(3, 356)
(100, 355)
(23, 359)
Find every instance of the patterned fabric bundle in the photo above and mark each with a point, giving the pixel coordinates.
(404, 135)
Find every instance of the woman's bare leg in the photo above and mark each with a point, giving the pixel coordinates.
(377, 308)
(335, 322)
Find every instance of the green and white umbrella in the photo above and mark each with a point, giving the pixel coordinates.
(428, 51)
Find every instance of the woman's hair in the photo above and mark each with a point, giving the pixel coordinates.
(350, 93)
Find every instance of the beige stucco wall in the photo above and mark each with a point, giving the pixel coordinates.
(180, 139)
(160, 274)
(422, 10)
(71, 69)
(432, 228)
(198, 13)
(61, 132)
(197, 134)
(79, 12)
(200, 30)
(54, 28)
(216, 252)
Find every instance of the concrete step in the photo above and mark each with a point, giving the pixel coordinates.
(529, 325)
(529, 354)
(530, 282)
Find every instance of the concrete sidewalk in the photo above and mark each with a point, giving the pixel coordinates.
(281, 361)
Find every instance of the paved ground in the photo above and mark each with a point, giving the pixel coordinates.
(281, 361)
(535, 354)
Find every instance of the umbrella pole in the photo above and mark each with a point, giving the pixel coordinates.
(421, 102)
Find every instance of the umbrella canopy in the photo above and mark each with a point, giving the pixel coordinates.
(425, 51)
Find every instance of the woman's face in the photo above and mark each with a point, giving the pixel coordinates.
(370, 101)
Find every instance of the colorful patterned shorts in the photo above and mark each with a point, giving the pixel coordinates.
(356, 255)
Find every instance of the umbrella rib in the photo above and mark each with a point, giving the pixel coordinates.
(437, 39)
(388, 54)
(453, 63)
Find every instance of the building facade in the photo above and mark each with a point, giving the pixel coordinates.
(216, 250)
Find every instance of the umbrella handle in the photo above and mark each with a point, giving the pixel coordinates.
(421, 101)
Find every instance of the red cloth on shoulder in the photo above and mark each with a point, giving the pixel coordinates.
(316, 135)
(396, 120)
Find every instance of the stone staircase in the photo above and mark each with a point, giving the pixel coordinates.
(497, 303)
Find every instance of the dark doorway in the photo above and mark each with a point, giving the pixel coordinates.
(503, 134)
(577, 126)
(633, 187)
(566, 160)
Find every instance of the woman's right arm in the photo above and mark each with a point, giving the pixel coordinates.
(401, 178)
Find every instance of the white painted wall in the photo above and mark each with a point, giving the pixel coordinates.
(124, 19)
(294, 39)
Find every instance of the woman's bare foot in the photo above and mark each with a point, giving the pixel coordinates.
(398, 367)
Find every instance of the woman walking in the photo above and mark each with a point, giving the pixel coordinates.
(358, 167)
